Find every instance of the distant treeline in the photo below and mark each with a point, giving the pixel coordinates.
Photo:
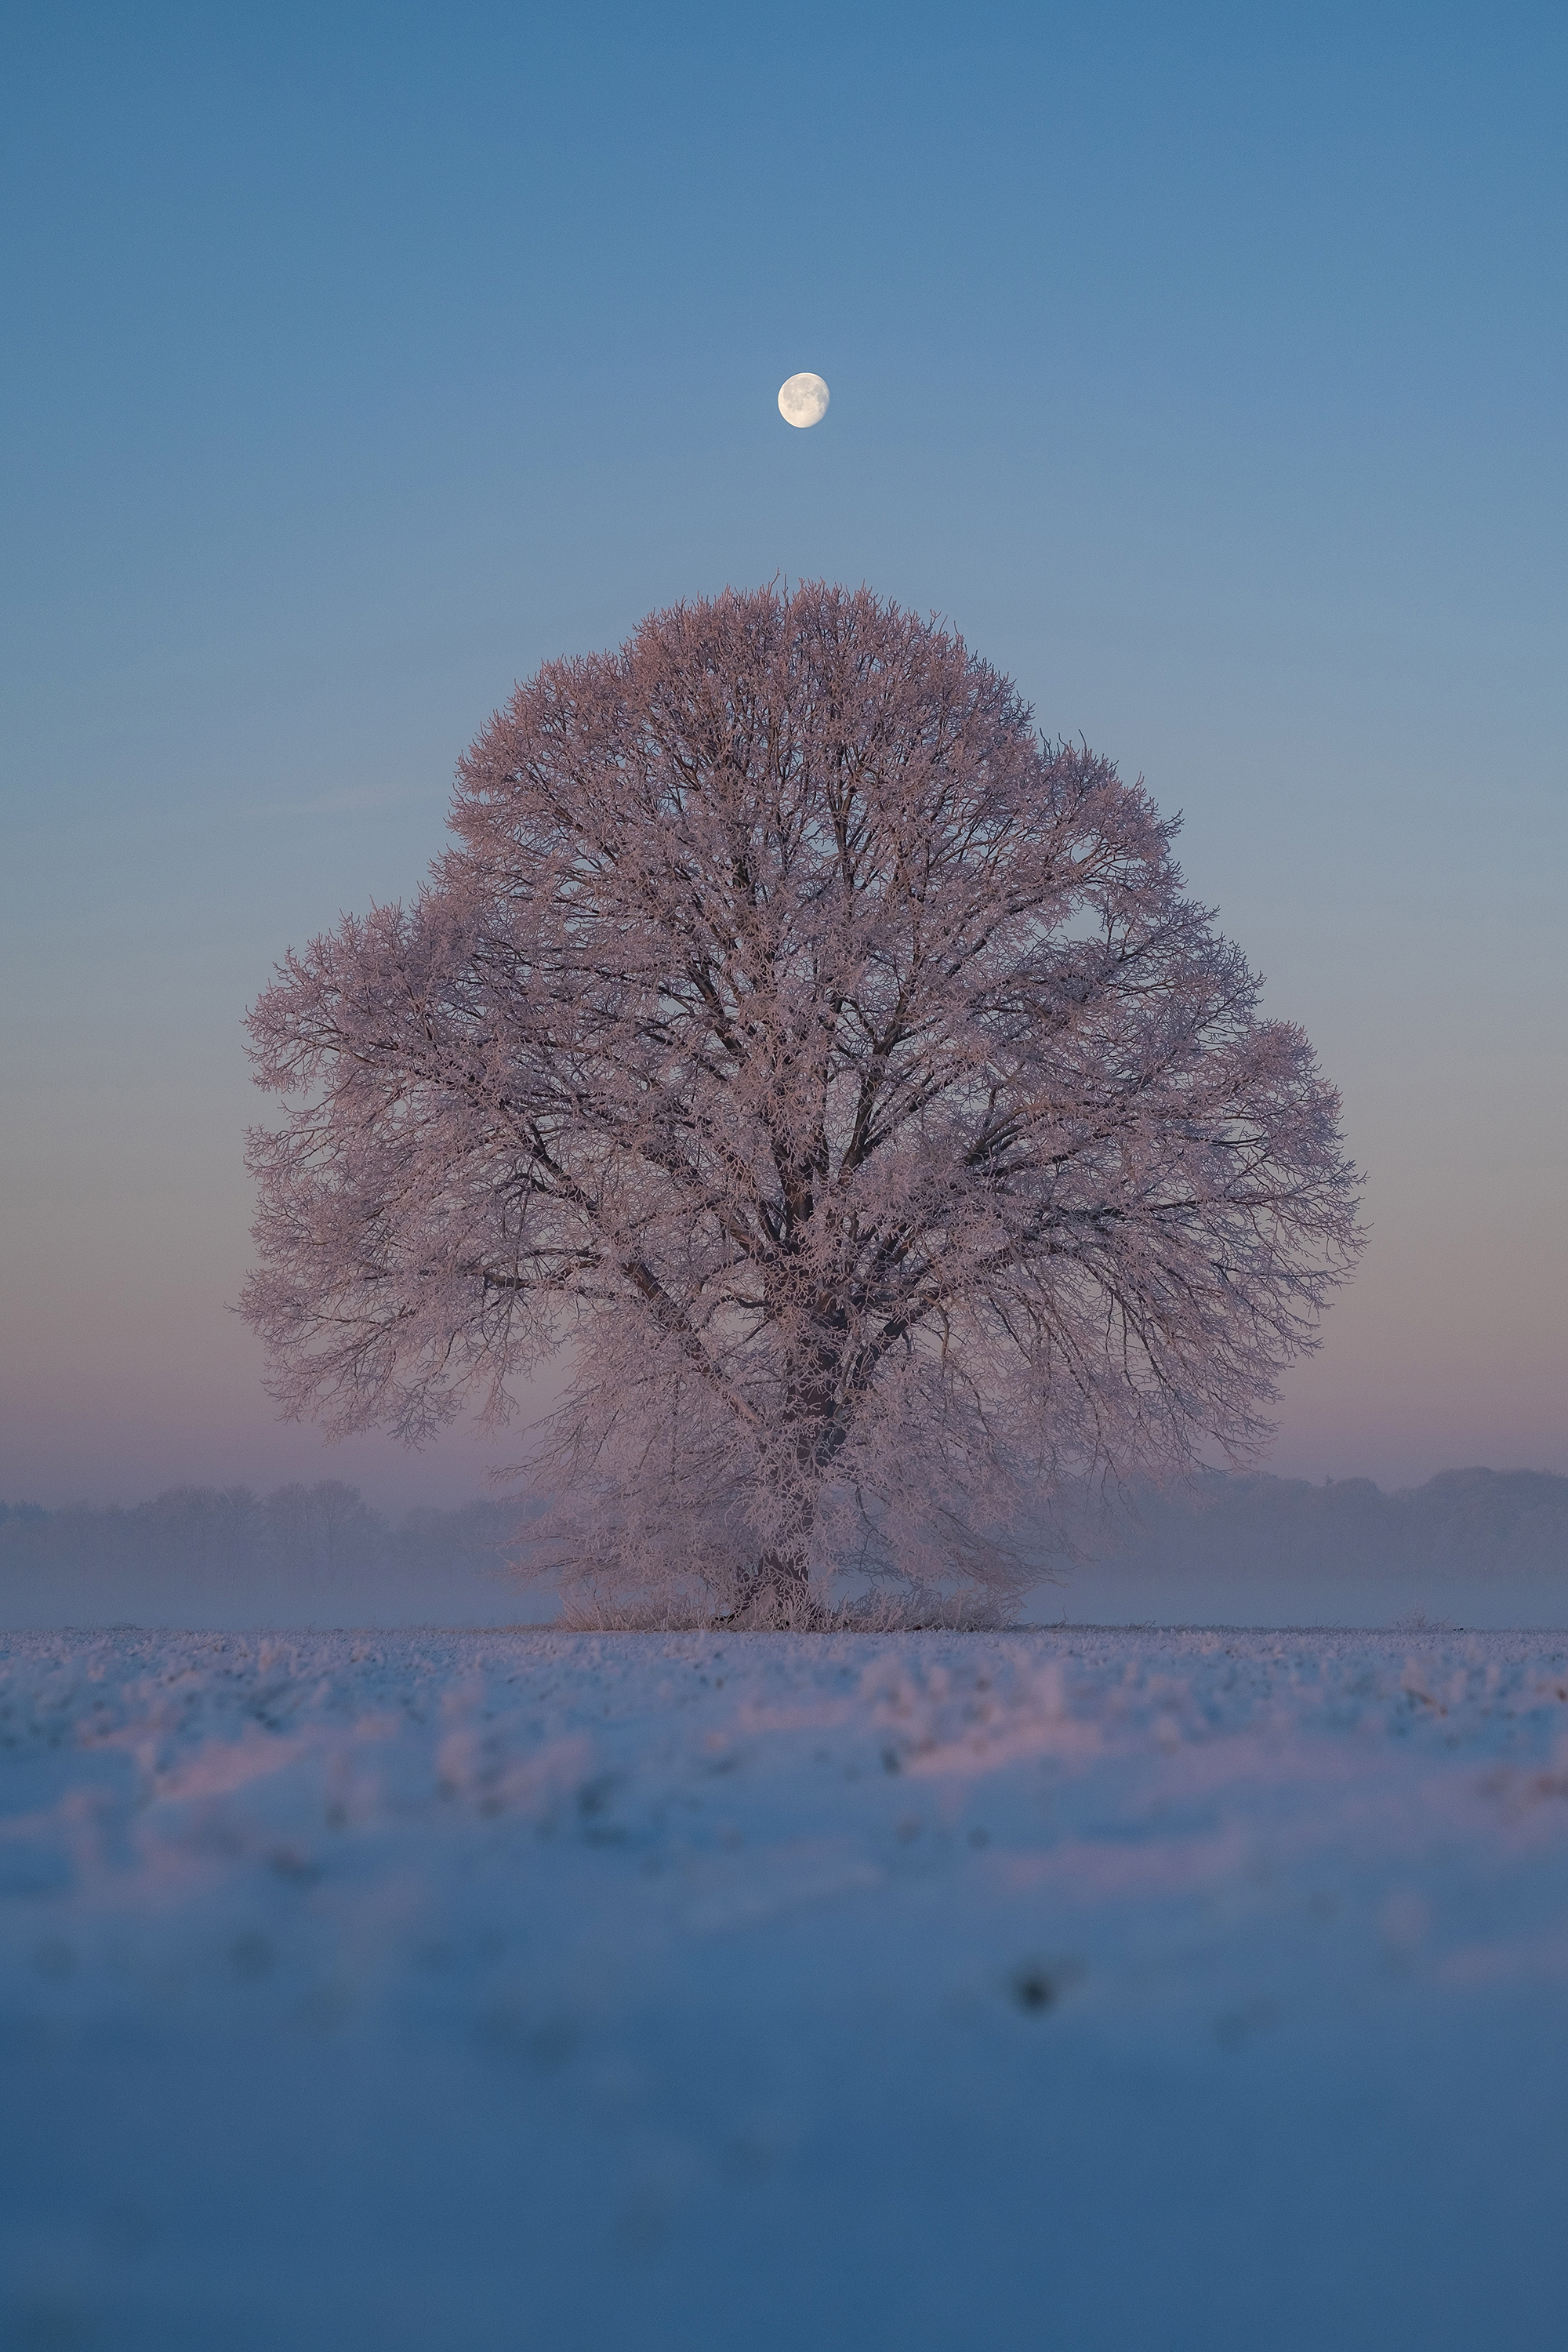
(1477, 1545)
(1474, 1547)
(1474, 1522)
(227, 1557)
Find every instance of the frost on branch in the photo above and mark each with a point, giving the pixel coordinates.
(838, 1073)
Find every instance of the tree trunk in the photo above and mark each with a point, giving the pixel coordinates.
(776, 1587)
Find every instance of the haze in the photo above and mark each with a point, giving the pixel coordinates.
(1207, 376)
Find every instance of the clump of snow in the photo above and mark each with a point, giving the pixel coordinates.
(486, 1990)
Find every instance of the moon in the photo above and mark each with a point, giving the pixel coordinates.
(802, 400)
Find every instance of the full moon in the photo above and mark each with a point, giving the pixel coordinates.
(803, 400)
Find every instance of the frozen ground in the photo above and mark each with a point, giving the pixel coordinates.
(1123, 1991)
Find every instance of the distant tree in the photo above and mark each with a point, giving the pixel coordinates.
(839, 1071)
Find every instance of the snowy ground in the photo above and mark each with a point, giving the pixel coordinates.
(1053, 1989)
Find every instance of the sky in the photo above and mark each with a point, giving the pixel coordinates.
(1204, 367)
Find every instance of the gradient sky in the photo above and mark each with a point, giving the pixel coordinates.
(1205, 367)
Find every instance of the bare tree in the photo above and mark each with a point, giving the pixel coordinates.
(839, 1071)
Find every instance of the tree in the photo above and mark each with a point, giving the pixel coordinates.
(839, 1072)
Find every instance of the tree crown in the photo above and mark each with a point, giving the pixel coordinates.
(841, 1070)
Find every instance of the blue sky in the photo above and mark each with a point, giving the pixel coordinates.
(1205, 367)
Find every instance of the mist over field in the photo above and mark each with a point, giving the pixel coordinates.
(1475, 1546)
(211, 1557)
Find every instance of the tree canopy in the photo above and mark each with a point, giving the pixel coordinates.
(839, 1072)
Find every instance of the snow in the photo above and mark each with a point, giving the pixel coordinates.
(1080, 1989)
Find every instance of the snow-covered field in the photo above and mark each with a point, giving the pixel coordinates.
(1068, 1990)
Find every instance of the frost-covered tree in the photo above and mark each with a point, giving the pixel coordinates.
(838, 1073)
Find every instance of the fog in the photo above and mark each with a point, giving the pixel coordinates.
(223, 1558)
(1474, 1548)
